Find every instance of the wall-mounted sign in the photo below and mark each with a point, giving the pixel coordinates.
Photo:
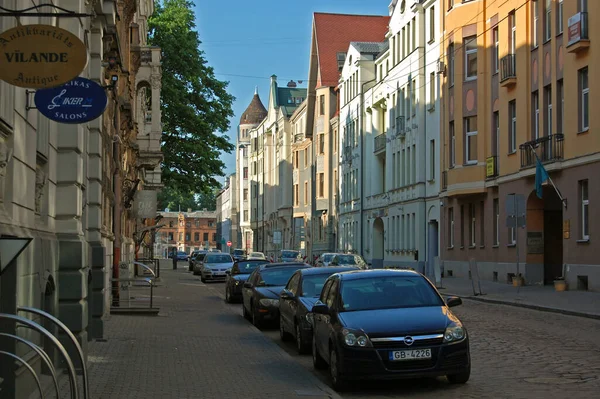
(40, 56)
(574, 29)
(145, 203)
(78, 101)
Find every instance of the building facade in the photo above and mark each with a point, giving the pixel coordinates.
(227, 215)
(187, 231)
(71, 187)
(518, 89)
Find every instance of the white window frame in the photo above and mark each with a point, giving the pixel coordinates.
(432, 91)
(512, 109)
(432, 153)
(496, 39)
(451, 215)
(561, 87)
(468, 52)
(513, 235)
(559, 17)
(549, 105)
(548, 22)
(452, 132)
(432, 24)
(496, 204)
(536, 18)
(585, 207)
(468, 135)
(513, 33)
(536, 115)
(473, 225)
(451, 57)
(585, 99)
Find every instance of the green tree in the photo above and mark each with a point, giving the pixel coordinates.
(173, 199)
(195, 105)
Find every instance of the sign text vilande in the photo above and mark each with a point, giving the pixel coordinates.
(40, 56)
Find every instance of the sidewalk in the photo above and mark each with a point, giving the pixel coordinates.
(195, 348)
(545, 298)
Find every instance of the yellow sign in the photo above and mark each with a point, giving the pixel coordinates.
(489, 164)
(40, 56)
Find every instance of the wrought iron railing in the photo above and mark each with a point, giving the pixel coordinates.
(380, 142)
(508, 67)
(547, 149)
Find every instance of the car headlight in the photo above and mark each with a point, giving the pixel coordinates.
(356, 338)
(454, 333)
(269, 302)
(237, 282)
(309, 318)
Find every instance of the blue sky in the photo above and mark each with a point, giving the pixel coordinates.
(248, 41)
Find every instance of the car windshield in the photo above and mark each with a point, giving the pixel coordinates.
(248, 266)
(289, 254)
(182, 253)
(327, 258)
(346, 260)
(218, 259)
(238, 252)
(387, 293)
(200, 256)
(257, 254)
(313, 284)
(276, 277)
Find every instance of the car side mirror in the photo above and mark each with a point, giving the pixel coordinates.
(320, 308)
(247, 285)
(285, 294)
(452, 301)
(228, 272)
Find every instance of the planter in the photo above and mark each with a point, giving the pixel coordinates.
(518, 281)
(560, 285)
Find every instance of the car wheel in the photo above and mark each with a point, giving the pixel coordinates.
(318, 361)
(282, 333)
(202, 278)
(300, 341)
(227, 295)
(460, 378)
(255, 317)
(245, 312)
(338, 383)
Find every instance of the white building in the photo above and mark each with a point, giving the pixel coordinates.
(400, 202)
(227, 215)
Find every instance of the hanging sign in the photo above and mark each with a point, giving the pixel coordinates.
(78, 101)
(40, 56)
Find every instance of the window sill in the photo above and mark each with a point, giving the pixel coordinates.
(482, 246)
(431, 108)
(533, 48)
(512, 153)
(472, 246)
(462, 247)
(470, 163)
(450, 248)
(511, 245)
(470, 79)
(583, 241)
(431, 41)
(584, 131)
(547, 40)
(496, 246)
(559, 34)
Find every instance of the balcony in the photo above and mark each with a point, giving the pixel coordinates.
(547, 149)
(578, 33)
(508, 70)
(491, 167)
(380, 142)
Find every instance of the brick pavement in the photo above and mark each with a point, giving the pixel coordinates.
(195, 348)
(576, 303)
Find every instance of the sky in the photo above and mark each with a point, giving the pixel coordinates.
(247, 41)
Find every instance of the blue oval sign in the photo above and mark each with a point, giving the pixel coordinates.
(78, 101)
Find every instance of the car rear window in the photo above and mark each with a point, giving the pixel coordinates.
(218, 259)
(289, 254)
(246, 267)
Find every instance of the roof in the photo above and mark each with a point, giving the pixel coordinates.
(327, 270)
(290, 99)
(194, 214)
(370, 47)
(358, 274)
(254, 113)
(333, 34)
(284, 265)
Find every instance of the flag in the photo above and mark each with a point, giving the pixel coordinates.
(541, 176)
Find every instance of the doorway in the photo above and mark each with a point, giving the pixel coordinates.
(378, 244)
(432, 247)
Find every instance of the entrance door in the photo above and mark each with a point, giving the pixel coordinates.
(553, 245)
(378, 234)
(432, 248)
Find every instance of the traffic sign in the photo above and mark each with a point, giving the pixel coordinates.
(228, 243)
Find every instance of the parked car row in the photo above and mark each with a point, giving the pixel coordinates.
(359, 324)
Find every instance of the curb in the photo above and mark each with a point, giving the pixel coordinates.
(529, 306)
(327, 391)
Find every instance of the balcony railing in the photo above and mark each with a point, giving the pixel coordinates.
(508, 69)
(444, 180)
(547, 148)
(578, 32)
(380, 142)
(491, 166)
(400, 126)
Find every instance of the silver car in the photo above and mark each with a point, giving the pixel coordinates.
(325, 259)
(215, 266)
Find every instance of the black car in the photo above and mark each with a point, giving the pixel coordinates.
(260, 295)
(387, 324)
(197, 262)
(296, 302)
(238, 275)
(238, 254)
(191, 260)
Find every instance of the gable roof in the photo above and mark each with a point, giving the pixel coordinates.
(333, 34)
(255, 112)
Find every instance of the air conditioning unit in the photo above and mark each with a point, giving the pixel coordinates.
(440, 67)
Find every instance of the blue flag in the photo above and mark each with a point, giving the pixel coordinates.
(541, 176)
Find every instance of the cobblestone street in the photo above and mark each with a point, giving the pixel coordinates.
(516, 353)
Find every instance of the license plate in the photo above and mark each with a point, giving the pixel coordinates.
(413, 354)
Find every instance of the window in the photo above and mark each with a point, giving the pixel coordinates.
(335, 140)
(170, 235)
(432, 24)
(513, 33)
(205, 235)
(245, 216)
(470, 57)
(496, 222)
(414, 33)
(451, 63)
(245, 194)
(496, 137)
(472, 224)
(585, 226)
(305, 157)
(584, 100)
(512, 128)
(536, 18)
(481, 223)
(432, 90)
(462, 226)
(296, 195)
(305, 192)
(547, 21)
(561, 105)
(180, 236)
(450, 4)
(559, 17)
(196, 237)
(450, 227)
(322, 105)
(211, 224)
(245, 172)
(413, 96)
(321, 185)
(548, 98)
(496, 51)
(214, 237)
(432, 160)
(535, 101)
(452, 149)
(321, 144)
(471, 139)
(296, 156)
(188, 236)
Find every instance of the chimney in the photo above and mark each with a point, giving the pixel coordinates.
(291, 83)
(189, 210)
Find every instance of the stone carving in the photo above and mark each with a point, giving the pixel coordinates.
(40, 183)
(5, 154)
(155, 81)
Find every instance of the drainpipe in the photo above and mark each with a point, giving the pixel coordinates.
(116, 205)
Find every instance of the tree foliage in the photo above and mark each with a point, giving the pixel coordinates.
(174, 199)
(195, 105)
